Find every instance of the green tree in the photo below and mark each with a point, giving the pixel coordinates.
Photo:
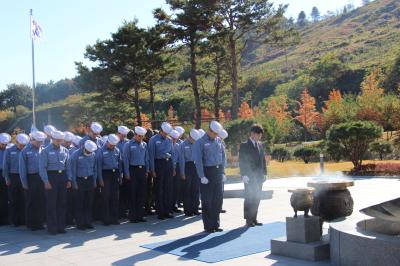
(315, 15)
(242, 20)
(382, 148)
(121, 59)
(284, 35)
(14, 95)
(355, 138)
(306, 153)
(302, 19)
(215, 70)
(189, 24)
(159, 64)
(280, 154)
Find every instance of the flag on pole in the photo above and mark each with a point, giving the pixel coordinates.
(36, 30)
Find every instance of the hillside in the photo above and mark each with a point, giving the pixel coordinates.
(364, 37)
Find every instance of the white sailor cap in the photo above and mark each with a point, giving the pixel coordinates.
(180, 130)
(76, 140)
(104, 138)
(96, 127)
(223, 134)
(202, 132)
(38, 136)
(5, 138)
(48, 129)
(90, 146)
(166, 127)
(194, 134)
(140, 131)
(68, 136)
(216, 126)
(56, 134)
(123, 130)
(113, 139)
(174, 134)
(22, 138)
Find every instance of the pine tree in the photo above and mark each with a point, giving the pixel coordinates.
(315, 14)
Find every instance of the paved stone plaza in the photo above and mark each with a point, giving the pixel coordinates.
(120, 245)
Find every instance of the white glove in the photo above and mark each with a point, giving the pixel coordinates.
(224, 178)
(245, 179)
(204, 180)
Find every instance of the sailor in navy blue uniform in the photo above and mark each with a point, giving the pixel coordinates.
(83, 175)
(191, 181)
(32, 183)
(160, 153)
(209, 154)
(136, 167)
(53, 161)
(11, 174)
(109, 171)
(4, 141)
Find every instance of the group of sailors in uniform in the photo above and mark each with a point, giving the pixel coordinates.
(52, 179)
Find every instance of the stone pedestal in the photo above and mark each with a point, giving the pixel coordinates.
(303, 240)
(303, 229)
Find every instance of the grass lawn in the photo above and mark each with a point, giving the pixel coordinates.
(299, 168)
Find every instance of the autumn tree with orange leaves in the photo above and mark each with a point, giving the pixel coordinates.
(245, 112)
(307, 114)
(277, 109)
(333, 110)
(371, 98)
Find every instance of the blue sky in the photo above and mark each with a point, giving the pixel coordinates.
(69, 26)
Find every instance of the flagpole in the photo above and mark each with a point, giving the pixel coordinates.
(33, 75)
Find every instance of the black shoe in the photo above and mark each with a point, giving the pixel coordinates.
(219, 230)
(223, 211)
(169, 216)
(142, 220)
(115, 223)
(134, 221)
(89, 226)
(160, 217)
(36, 228)
(249, 224)
(106, 223)
(197, 213)
(210, 231)
(176, 210)
(257, 223)
(82, 228)
(61, 231)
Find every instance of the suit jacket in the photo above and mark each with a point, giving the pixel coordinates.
(252, 160)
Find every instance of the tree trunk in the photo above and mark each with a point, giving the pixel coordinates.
(152, 107)
(137, 107)
(193, 79)
(234, 77)
(217, 87)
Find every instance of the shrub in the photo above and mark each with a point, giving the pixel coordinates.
(306, 153)
(280, 154)
(381, 148)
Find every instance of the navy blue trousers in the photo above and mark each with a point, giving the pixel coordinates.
(35, 202)
(16, 199)
(84, 201)
(191, 189)
(212, 197)
(138, 192)
(110, 196)
(163, 183)
(3, 201)
(56, 201)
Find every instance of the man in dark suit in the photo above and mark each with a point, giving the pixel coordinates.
(253, 171)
